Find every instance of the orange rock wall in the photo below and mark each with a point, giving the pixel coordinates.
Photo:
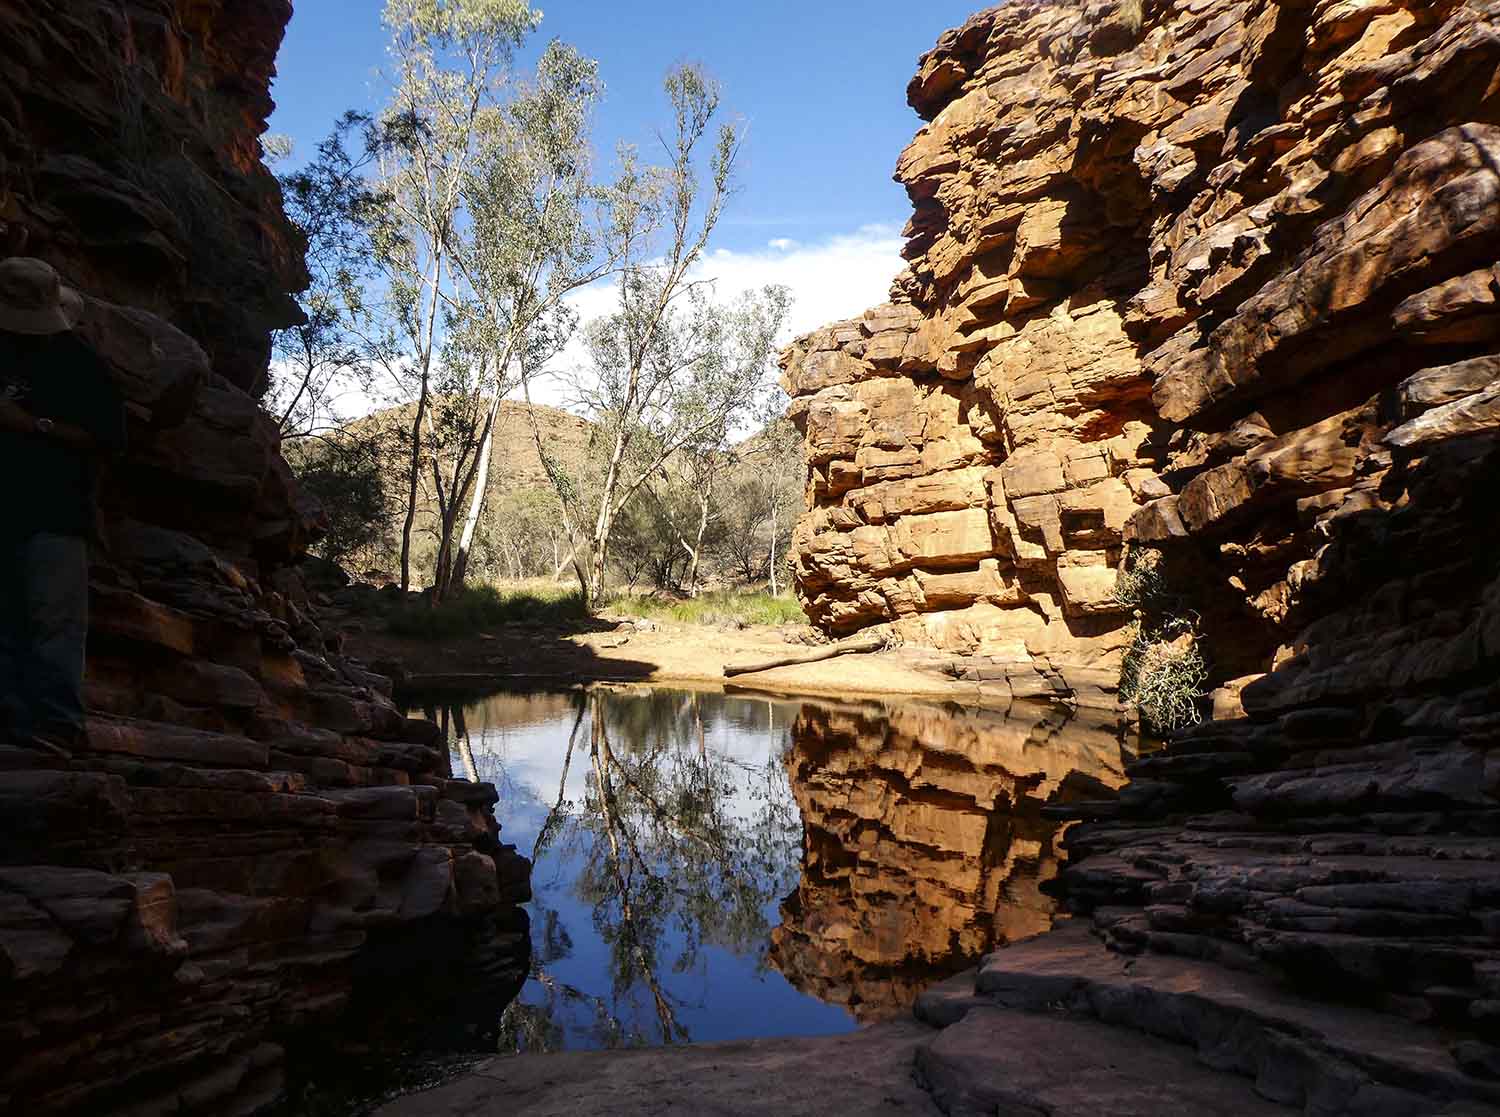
(1191, 284)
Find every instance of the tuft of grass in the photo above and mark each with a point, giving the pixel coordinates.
(1142, 585)
(1133, 15)
(480, 607)
(719, 607)
(1163, 673)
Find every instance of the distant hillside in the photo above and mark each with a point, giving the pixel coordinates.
(521, 533)
(515, 463)
(517, 480)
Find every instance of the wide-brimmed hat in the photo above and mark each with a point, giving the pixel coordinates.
(33, 299)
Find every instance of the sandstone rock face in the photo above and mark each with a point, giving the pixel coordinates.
(924, 842)
(1224, 287)
(1198, 286)
(253, 820)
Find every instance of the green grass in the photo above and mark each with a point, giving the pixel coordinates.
(719, 607)
(479, 608)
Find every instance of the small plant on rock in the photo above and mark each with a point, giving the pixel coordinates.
(1164, 671)
(1141, 586)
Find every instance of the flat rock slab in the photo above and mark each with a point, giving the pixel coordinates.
(864, 1072)
(1333, 1059)
(1001, 1063)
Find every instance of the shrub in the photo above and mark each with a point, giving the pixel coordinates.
(477, 608)
(1163, 674)
(347, 479)
(1133, 15)
(1142, 585)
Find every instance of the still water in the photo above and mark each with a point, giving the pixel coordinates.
(711, 867)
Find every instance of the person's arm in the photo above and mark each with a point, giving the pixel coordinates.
(16, 419)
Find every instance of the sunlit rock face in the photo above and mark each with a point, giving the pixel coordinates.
(924, 841)
(254, 825)
(1224, 286)
(1208, 286)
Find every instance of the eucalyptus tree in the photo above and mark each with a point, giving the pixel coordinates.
(668, 364)
(533, 234)
(329, 202)
(691, 508)
(784, 471)
(452, 62)
(486, 220)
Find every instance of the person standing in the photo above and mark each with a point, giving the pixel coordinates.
(61, 418)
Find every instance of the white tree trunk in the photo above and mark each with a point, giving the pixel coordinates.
(476, 501)
(775, 589)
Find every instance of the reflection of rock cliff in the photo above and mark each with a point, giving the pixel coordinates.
(254, 824)
(924, 841)
(1200, 285)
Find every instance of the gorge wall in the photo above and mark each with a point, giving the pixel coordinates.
(255, 834)
(1221, 288)
(1204, 285)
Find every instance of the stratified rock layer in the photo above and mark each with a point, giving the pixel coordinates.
(1204, 283)
(253, 824)
(1224, 287)
(924, 842)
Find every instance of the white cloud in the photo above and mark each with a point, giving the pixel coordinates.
(830, 280)
(836, 278)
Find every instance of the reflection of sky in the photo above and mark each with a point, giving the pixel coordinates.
(519, 743)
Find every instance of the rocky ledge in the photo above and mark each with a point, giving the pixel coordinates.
(255, 837)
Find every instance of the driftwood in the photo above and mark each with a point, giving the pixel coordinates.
(853, 647)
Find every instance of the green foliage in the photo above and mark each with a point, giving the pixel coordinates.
(477, 608)
(1142, 584)
(347, 478)
(721, 607)
(1163, 674)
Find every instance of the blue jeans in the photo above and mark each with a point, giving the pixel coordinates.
(44, 621)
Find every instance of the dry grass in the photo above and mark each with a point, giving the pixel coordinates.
(721, 607)
(482, 607)
(1163, 674)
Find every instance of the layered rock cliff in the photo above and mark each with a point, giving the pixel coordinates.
(255, 833)
(1219, 292)
(1207, 283)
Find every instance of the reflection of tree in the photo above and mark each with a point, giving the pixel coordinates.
(665, 854)
(675, 845)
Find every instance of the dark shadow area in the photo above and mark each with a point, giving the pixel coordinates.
(482, 640)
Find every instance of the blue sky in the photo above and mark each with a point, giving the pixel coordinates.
(821, 85)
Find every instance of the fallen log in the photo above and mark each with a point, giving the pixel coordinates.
(852, 647)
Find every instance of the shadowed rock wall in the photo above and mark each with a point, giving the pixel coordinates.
(254, 823)
(1202, 284)
(1225, 287)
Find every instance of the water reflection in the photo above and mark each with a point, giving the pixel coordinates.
(713, 866)
(925, 843)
